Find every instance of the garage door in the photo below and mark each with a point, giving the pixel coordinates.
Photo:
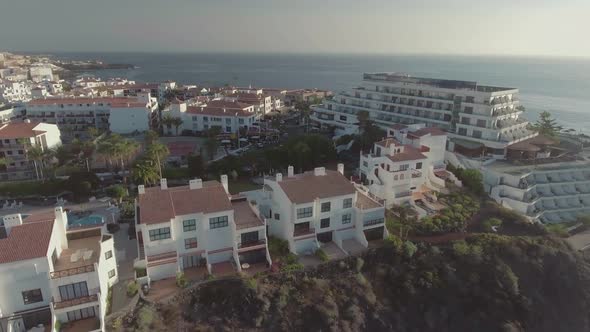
(374, 234)
(162, 271)
(325, 237)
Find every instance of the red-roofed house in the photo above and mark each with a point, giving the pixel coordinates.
(199, 226)
(404, 162)
(16, 139)
(229, 116)
(48, 273)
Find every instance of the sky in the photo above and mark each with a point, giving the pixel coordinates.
(470, 27)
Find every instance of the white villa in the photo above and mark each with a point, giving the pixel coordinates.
(199, 227)
(48, 273)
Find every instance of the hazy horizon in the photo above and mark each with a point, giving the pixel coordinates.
(529, 28)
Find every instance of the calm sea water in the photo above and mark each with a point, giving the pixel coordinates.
(561, 86)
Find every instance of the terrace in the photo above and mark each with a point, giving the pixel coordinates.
(78, 258)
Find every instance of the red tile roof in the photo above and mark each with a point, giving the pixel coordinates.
(388, 142)
(244, 217)
(228, 104)
(158, 206)
(20, 130)
(27, 241)
(128, 104)
(306, 187)
(81, 100)
(425, 131)
(410, 153)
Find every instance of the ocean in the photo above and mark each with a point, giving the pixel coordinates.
(558, 85)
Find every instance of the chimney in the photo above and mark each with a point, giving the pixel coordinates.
(279, 177)
(195, 184)
(341, 168)
(224, 183)
(141, 189)
(290, 172)
(163, 184)
(11, 221)
(319, 171)
(61, 217)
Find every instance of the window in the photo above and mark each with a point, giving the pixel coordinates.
(73, 291)
(228, 129)
(347, 203)
(205, 119)
(108, 254)
(227, 120)
(218, 222)
(241, 121)
(32, 296)
(462, 132)
(481, 123)
(111, 273)
(404, 167)
(365, 164)
(277, 216)
(326, 207)
(190, 243)
(477, 133)
(343, 118)
(418, 165)
(346, 218)
(189, 225)
(250, 237)
(80, 314)
(304, 212)
(160, 234)
(325, 223)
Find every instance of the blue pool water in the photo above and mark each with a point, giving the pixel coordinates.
(92, 219)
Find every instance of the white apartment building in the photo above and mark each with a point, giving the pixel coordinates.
(15, 141)
(317, 208)
(49, 274)
(197, 227)
(41, 73)
(404, 163)
(228, 116)
(9, 113)
(14, 91)
(478, 118)
(262, 103)
(75, 115)
(549, 189)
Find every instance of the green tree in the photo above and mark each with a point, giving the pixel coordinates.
(195, 166)
(63, 154)
(546, 125)
(158, 152)
(177, 122)
(150, 137)
(37, 155)
(211, 146)
(145, 172)
(117, 191)
(473, 180)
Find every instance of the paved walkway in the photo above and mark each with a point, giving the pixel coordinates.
(120, 299)
(126, 253)
(333, 251)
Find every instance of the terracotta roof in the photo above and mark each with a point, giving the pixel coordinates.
(27, 241)
(363, 202)
(244, 217)
(158, 206)
(218, 111)
(410, 153)
(228, 104)
(20, 130)
(306, 187)
(388, 142)
(433, 131)
(81, 100)
(128, 104)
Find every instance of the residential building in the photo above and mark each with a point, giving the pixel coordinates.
(540, 180)
(74, 116)
(226, 115)
(405, 163)
(262, 103)
(292, 97)
(197, 227)
(318, 208)
(479, 119)
(41, 73)
(9, 113)
(14, 91)
(49, 273)
(15, 141)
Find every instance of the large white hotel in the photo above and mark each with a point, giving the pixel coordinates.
(478, 118)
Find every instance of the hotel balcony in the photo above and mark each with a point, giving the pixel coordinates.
(373, 222)
(252, 245)
(75, 302)
(81, 257)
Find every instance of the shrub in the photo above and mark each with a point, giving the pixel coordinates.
(57, 325)
(322, 255)
(292, 267)
(140, 272)
(113, 228)
(490, 223)
(145, 317)
(410, 249)
(461, 248)
(278, 247)
(132, 288)
(557, 229)
(181, 280)
(251, 283)
(393, 241)
(359, 264)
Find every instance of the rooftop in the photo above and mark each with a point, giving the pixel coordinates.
(218, 111)
(233, 105)
(409, 153)
(20, 130)
(27, 241)
(244, 216)
(388, 142)
(306, 187)
(80, 252)
(364, 202)
(82, 100)
(434, 82)
(161, 205)
(427, 131)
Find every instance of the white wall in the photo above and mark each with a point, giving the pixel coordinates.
(127, 120)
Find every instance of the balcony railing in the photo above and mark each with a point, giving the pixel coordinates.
(373, 222)
(76, 301)
(251, 243)
(72, 271)
(303, 232)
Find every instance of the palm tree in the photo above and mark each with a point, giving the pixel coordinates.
(158, 152)
(168, 121)
(150, 137)
(211, 145)
(145, 172)
(62, 153)
(4, 162)
(177, 122)
(36, 154)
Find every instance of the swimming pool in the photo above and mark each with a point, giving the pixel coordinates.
(76, 221)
